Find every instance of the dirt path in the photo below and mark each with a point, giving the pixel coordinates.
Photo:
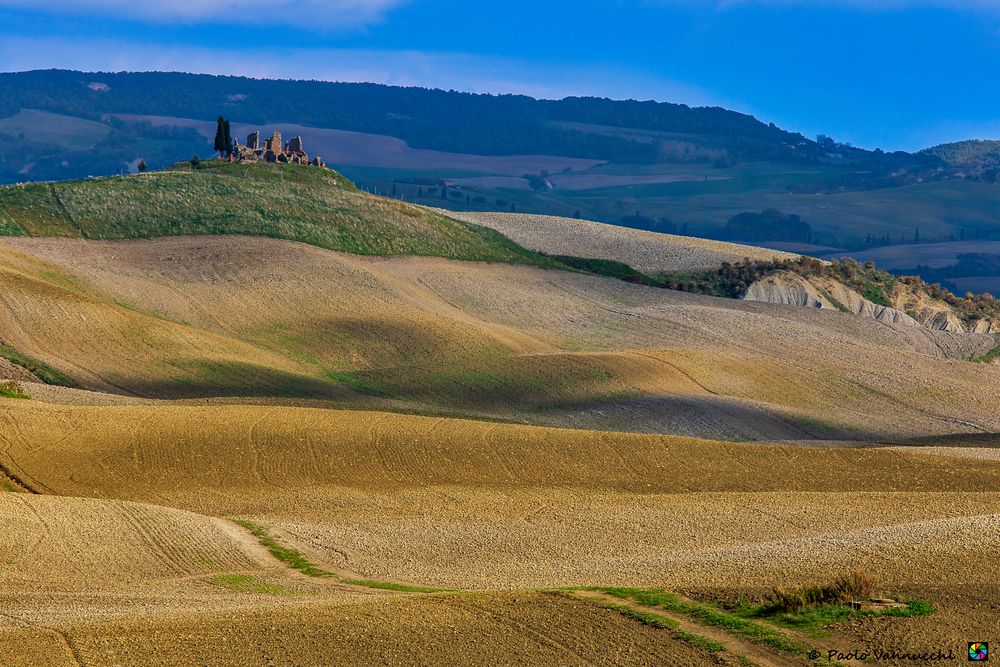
(757, 654)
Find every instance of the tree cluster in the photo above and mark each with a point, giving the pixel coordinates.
(768, 225)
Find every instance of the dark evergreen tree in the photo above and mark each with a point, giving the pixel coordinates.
(220, 136)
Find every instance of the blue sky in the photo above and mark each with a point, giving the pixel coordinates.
(895, 74)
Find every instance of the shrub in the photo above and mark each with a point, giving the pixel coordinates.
(12, 389)
(856, 585)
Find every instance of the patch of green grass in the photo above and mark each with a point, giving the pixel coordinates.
(296, 560)
(40, 370)
(699, 641)
(836, 304)
(876, 291)
(359, 382)
(816, 620)
(606, 267)
(988, 357)
(913, 608)
(652, 620)
(12, 389)
(8, 227)
(290, 557)
(242, 583)
(391, 586)
(9, 488)
(665, 623)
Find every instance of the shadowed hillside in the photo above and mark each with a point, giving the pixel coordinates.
(265, 319)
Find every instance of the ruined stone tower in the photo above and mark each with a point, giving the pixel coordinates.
(272, 150)
(274, 143)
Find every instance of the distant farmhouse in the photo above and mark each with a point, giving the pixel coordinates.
(273, 150)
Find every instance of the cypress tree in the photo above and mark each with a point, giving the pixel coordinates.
(220, 136)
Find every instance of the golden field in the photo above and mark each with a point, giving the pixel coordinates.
(460, 450)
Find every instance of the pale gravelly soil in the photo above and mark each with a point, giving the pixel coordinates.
(58, 544)
(649, 252)
(502, 539)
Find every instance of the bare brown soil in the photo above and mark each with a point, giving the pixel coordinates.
(496, 629)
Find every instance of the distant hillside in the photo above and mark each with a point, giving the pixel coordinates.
(312, 205)
(621, 131)
(437, 119)
(972, 154)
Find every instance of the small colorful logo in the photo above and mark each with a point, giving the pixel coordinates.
(979, 652)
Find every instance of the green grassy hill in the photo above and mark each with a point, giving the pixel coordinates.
(315, 206)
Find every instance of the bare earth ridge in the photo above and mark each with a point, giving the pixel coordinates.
(649, 252)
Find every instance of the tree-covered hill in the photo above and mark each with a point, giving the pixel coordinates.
(434, 119)
(974, 154)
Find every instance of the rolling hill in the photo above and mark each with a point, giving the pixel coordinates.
(315, 206)
(520, 337)
(307, 425)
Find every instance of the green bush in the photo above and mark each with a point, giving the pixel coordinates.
(11, 389)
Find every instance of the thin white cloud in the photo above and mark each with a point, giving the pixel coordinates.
(320, 13)
(456, 71)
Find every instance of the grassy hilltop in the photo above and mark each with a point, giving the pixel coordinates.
(315, 206)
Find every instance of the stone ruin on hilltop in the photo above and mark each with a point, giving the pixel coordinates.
(272, 150)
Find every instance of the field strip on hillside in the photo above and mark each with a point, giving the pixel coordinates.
(685, 628)
(649, 252)
(298, 561)
(760, 633)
